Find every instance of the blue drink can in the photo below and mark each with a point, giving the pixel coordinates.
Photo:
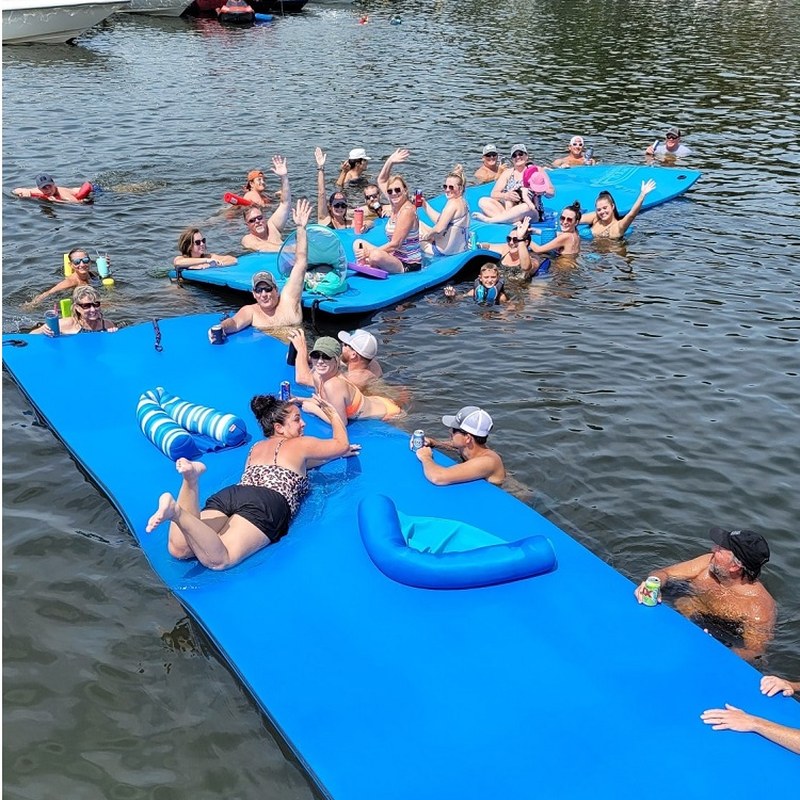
(286, 391)
(417, 440)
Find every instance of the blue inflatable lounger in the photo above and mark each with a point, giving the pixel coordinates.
(430, 641)
(338, 289)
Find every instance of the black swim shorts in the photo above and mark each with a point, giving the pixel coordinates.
(264, 508)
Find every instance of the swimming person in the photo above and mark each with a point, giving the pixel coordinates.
(605, 219)
(576, 155)
(46, 189)
(489, 170)
(265, 235)
(86, 315)
(321, 368)
(450, 232)
(731, 718)
(274, 308)
(721, 590)
(194, 255)
(469, 430)
(240, 519)
(373, 207)
(255, 189)
(402, 252)
(488, 290)
(81, 275)
(671, 148)
(359, 351)
(353, 168)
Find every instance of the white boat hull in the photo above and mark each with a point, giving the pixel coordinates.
(53, 21)
(158, 8)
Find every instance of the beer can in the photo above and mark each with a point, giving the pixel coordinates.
(417, 440)
(652, 590)
(286, 391)
(217, 334)
(418, 198)
(358, 220)
(473, 240)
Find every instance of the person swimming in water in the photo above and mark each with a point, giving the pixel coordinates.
(722, 588)
(488, 290)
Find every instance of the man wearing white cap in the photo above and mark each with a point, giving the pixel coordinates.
(469, 429)
(353, 167)
(359, 349)
(489, 170)
(576, 155)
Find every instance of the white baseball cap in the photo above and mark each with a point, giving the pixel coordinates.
(490, 148)
(576, 140)
(363, 342)
(470, 419)
(358, 153)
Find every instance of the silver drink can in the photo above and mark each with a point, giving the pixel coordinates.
(417, 440)
(652, 590)
(286, 391)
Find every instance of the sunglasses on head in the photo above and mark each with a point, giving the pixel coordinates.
(264, 289)
(88, 305)
(395, 190)
(256, 218)
(370, 196)
(84, 260)
(199, 241)
(317, 356)
(339, 204)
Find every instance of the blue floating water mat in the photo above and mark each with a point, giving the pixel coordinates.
(554, 685)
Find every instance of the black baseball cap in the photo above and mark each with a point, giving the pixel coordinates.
(749, 547)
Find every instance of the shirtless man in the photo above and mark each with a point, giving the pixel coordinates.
(723, 587)
(273, 308)
(353, 168)
(489, 170)
(264, 235)
(46, 189)
(469, 430)
(359, 349)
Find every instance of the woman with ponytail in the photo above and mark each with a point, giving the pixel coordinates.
(450, 231)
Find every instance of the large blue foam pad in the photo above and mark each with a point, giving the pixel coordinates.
(557, 685)
(364, 293)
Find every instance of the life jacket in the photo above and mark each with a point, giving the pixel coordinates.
(487, 295)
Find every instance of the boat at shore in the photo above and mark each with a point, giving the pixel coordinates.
(158, 8)
(54, 21)
(209, 7)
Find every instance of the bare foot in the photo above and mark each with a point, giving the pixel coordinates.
(480, 217)
(167, 509)
(190, 471)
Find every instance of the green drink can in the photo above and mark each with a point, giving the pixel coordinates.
(652, 591)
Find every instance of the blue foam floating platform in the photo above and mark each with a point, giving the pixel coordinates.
(553, 686)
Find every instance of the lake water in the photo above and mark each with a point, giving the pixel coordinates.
(643, 397)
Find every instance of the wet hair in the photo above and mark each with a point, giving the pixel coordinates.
(458, 173)
(605, 195)
(269, 411)
(489, 265)
(77, 250)
(576, 207)
(186, 239)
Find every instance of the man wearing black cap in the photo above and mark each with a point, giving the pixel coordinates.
(46, 189)
(275, 308)
(671, 147)
(721, 590)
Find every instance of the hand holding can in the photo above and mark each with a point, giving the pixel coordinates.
(51, 320)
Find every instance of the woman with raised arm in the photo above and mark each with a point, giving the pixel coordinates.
(332, 214)
(241, 519)
(567, 242)
(605, 219)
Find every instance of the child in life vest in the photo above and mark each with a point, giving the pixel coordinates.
(488, 290)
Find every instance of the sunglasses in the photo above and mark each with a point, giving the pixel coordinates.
(256, 218)
(84, 260)
(490, 155)
(518, 154)
(317, 356)
(514, 240)
(671, 137)
(450, 187)
(567, 219)
(263, 289)
(199, 241)
(396, 190)
(88, 305)
(339, 205)
(370, 196)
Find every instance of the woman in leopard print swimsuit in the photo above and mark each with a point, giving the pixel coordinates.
(240, 519)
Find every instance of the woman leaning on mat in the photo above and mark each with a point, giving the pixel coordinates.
(241, 519)
(402, 252)
(605, 219)
(193, 252)
(86, 316)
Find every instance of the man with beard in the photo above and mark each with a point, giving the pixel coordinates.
(721, 592)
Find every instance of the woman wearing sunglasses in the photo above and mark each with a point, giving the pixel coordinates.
(567, 243)
(402, 253)
(507, 190)
(450, 232)
(518, 240)
(86, 315)
(525, 199)
(194, 255)
(241, 519)
(322, 369)
(333, 214)
(81, 262)
(605, 219)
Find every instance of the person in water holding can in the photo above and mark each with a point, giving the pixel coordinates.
(671, 148)
(402, 252)
(274, 308)
(489, 170)
(469, 431)
(86, 316)
(721, 591)
(359, 351)
(576, 156)
(265, 234)
(373, 208)
(195, 255)
(81, 275)
(450, 232)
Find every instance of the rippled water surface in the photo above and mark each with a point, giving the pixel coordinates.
(641, 398)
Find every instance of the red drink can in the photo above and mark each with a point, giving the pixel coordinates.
(418, 198)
